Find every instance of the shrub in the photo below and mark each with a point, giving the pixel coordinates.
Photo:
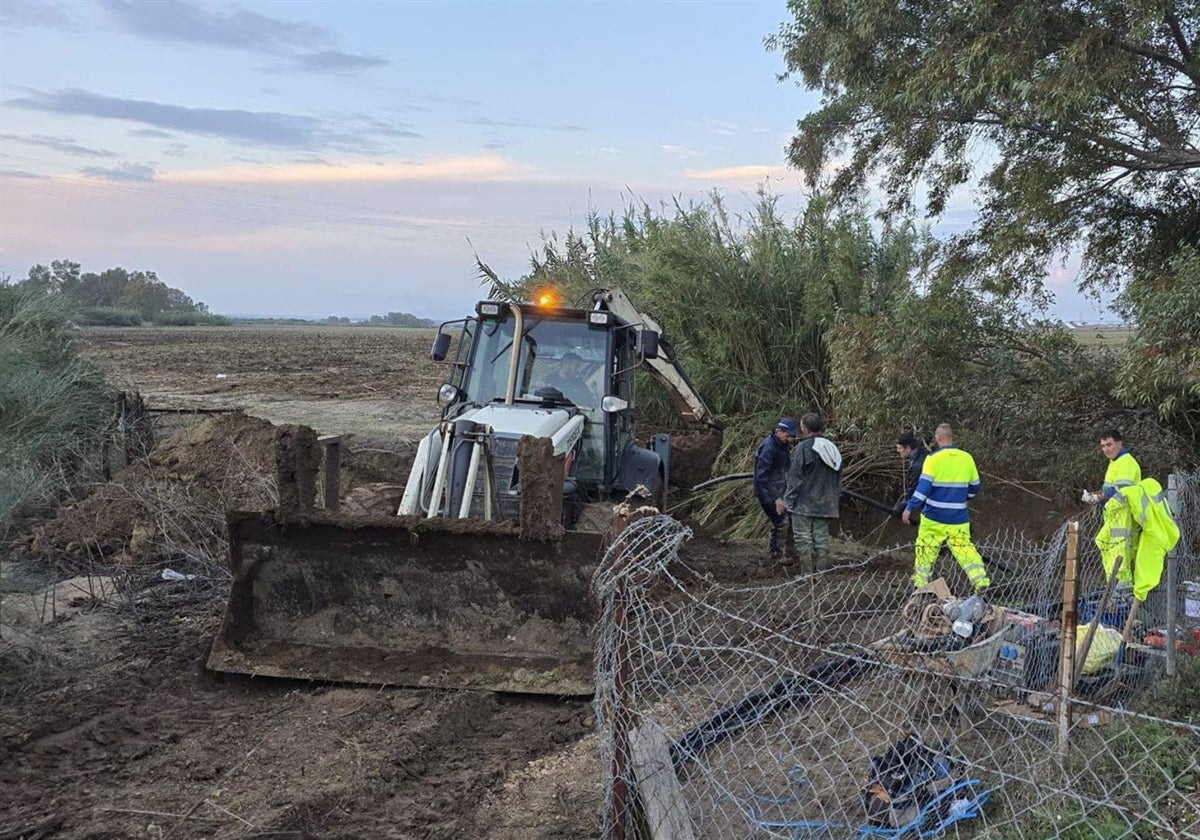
(55, 409)
(108, 316)
(190, 319)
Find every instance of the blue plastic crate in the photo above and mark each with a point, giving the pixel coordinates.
(1114, 614)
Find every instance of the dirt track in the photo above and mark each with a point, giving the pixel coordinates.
(126, 748)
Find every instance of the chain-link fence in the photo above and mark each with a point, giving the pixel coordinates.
(842, 704)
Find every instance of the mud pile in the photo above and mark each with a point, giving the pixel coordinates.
(174, 502)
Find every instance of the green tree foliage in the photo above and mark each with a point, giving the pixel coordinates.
(1084, 116)
(397, 319)
(1014, 385)
(1161, 367)
(54, 408)
(746, 303)
(98, 298)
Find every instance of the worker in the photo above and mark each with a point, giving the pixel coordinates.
(912, 450)
(1153, 533)
(948, 479)
(1115, 537)
(814, 483)
(770, 478)
(567, 378)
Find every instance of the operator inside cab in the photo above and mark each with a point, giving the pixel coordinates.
(568, 379)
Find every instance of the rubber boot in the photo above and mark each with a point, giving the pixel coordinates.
(822, 560)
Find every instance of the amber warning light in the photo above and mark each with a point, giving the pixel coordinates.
(546, 298)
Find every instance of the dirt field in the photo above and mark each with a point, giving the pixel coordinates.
(365, 380)
(112, 727)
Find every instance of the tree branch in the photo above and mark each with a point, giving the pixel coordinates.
(1166, 60)
(1177, 31)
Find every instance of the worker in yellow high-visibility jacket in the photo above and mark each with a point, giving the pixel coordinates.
(1154, 533)
(948, 479)
(1116, 535)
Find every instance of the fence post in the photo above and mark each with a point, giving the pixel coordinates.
(1066, 654)
(333, 465)
(1173, 500)
(621, 794)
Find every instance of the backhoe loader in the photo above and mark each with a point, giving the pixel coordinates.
(465, 587)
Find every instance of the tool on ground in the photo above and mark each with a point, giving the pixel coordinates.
(482, 579)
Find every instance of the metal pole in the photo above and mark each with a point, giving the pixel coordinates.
(1174, 502)
(621, 793)
(1066, 654)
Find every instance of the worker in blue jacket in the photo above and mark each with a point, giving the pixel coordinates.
(949, 479)
(770, 478)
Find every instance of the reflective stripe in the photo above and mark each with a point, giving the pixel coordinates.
(1145, 509)
(1124, 482)
(946, 505)
(1119, 532)
(951, 484)
(974, 567)
(920, 496)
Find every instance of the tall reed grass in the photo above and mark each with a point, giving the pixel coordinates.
(55, 409)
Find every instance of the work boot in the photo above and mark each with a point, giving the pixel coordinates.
(806, 562)
(822, 560)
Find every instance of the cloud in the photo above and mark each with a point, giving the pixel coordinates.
(262, 128)
(18, 14)
(306, 46)
(150, 132)
(333, 61)
(474, 169)
(746, 172)
(136, 172)
(487, 121)
(680, 152)
(66, 145)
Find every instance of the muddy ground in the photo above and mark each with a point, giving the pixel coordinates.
(110, 726)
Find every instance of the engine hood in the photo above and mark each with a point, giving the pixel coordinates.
(519, 420)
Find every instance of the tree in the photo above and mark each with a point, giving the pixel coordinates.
(1084, 117)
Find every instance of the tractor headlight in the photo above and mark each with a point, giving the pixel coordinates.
(447, 395)
(491, 309)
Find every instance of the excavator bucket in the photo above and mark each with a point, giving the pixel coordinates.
(408, 601)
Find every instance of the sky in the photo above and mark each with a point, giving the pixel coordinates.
(351, 158)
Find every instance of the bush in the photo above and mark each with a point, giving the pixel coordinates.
(108, 316)
(55, 409)
(190, 319)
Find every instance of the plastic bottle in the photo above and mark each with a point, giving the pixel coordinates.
(970, 611)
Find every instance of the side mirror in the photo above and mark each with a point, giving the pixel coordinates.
(611, 404)
(441, 347)
(648, 344)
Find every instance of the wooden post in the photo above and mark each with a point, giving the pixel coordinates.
(1066, 654)
(1109, 586)
(662, 800)
(333, 466)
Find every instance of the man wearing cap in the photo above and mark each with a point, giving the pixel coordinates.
(770, 478)
(913, 451)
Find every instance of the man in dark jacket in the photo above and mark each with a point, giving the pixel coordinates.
(814, 484)
(913, 451)
(770, 479)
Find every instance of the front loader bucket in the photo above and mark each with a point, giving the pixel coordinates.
(408, 601)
